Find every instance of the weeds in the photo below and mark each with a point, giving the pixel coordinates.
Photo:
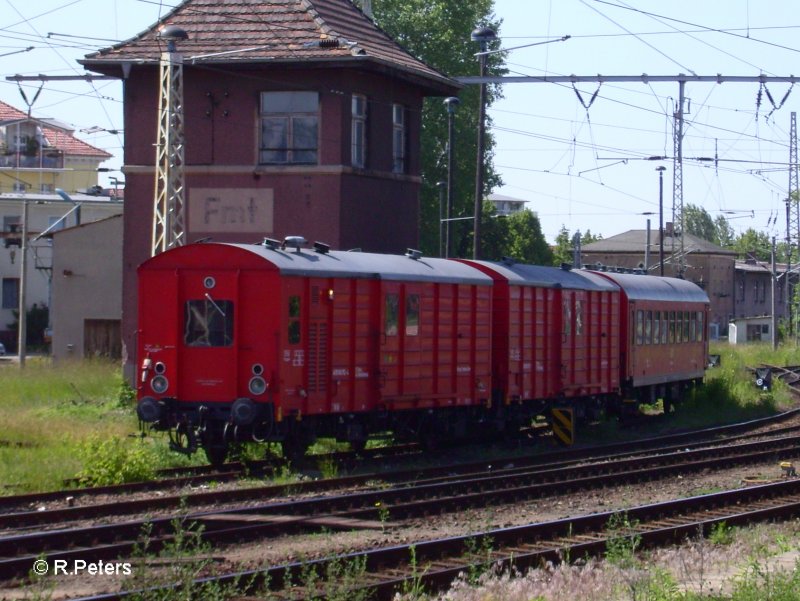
(339, 579)
(478, 551)
(171, 574)
(114, 461)
(412, 588)
(383, 515)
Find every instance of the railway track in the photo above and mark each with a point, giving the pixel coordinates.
(358, 510)
(412, 477)
(433, 565)
(206, 474)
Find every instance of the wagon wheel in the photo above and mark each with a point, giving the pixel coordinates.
(183, 440)
(294, 447)
(216, 454)
(359, 445)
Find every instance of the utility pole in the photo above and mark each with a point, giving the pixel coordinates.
(22, 322)
(774, 324)
(482, 35)
(661, 170)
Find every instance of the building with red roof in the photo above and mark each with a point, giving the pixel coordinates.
(301, 117)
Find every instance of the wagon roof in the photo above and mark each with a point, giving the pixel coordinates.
(547, 277)
(645, 287)
(352, 264)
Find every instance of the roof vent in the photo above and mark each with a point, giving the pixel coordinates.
(414, 254)
(566, 266)
(322, 248)
(272, 243)
(329, 43)
(508, 260)
(294, 242)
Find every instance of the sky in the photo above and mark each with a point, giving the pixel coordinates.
(579, 163)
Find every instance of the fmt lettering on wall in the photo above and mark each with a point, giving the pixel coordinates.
(234, 210)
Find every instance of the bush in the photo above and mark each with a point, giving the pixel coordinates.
(115, 461)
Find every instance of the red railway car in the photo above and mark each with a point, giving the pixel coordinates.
(556, 337)
(273, 342)
(664, 334)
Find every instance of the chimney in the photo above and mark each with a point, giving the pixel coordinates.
(668, 229)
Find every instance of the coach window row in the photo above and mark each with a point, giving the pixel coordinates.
(290, 130)
(668, 327)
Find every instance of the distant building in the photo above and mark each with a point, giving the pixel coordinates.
(45, 211)
(87, 290)
(706, 264)
(506, 205)
(40, 155)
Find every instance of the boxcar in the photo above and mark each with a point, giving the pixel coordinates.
(664, 334)
(273, 343)
(556, 337)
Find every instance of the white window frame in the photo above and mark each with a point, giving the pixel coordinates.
(358, 130)
(399, 152)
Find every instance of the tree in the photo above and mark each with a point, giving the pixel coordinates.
(562, 250)
(725, 236)
(518, 236)
(565, 245)
(438, 32)
(753, 244)
(36, 321)
(698, 222)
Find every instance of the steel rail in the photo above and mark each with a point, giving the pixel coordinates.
(260, 521)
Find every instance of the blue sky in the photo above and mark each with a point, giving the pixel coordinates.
(577, 167)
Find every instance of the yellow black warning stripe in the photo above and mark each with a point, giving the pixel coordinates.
(564, 426)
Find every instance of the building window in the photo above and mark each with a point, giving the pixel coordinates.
(289, 127)
(18, 186)
(12, 223)
(359, 130)
(45, 188)
(398, 138)
(10, 293)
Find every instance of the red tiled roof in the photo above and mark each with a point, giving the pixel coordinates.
(253, 31)
(57, 138)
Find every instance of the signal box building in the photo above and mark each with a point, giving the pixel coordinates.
(301, 117)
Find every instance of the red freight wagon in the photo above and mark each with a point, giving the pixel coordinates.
(556, 336)
(664, 336)
(264, 342)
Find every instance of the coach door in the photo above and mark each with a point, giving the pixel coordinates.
(208, 323)
(400, 346)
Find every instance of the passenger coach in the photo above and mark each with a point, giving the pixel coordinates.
(664, 334)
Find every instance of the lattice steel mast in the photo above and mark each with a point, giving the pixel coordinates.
(170, 191)
(677, 181)
(792, 215)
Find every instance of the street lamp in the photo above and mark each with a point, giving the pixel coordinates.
(661, 219)
(442, 191)
(482, 35)
(452, 104)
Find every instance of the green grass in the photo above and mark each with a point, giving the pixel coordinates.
(51, 412)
